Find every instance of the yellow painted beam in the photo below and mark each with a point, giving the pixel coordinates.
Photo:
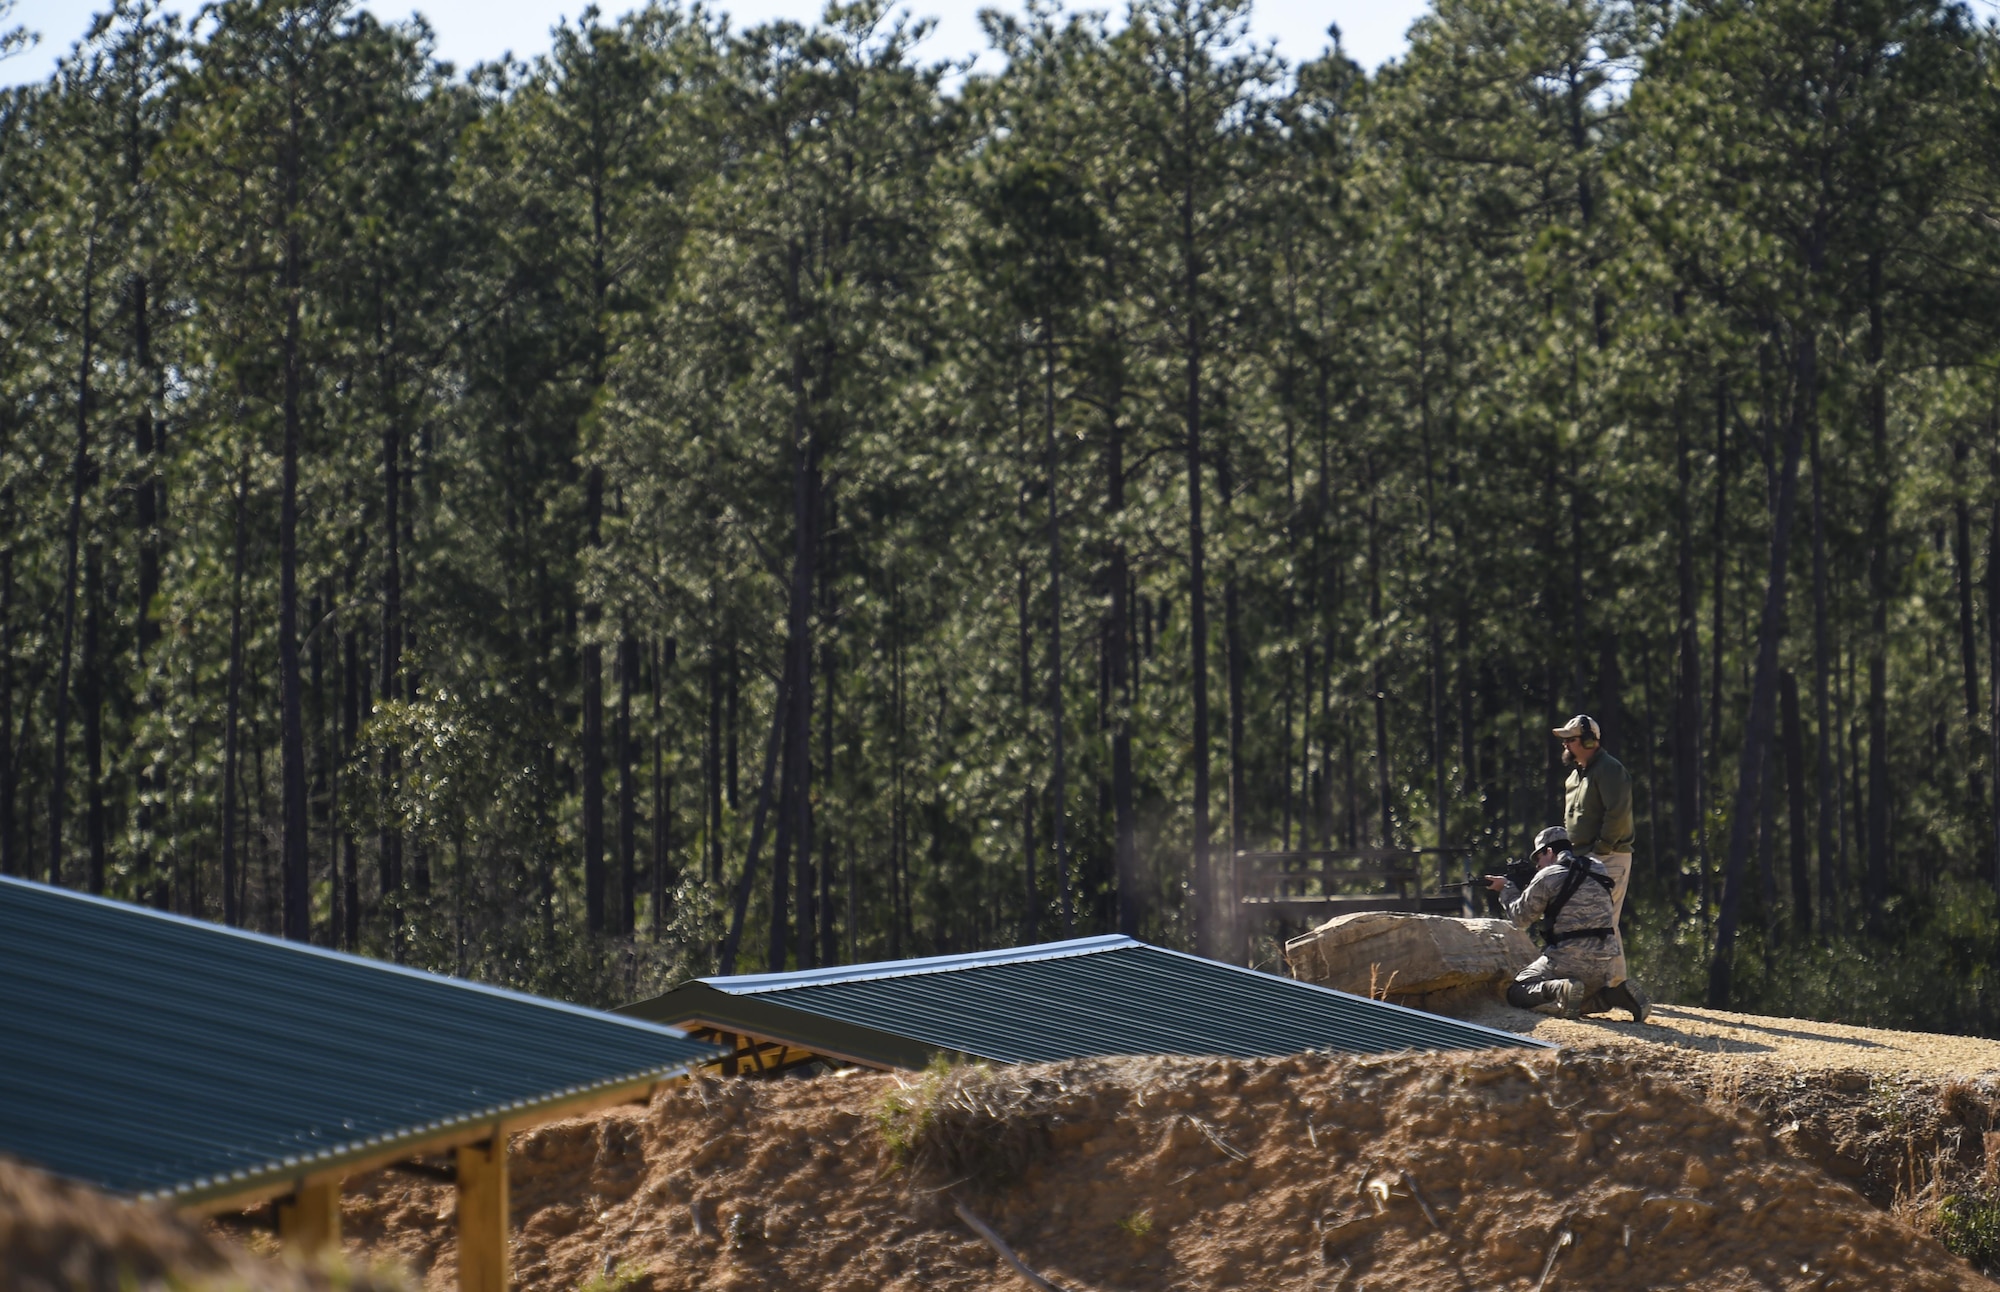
(356, 1164)
(309, 1218)
(738, 1063)
(482, 1216)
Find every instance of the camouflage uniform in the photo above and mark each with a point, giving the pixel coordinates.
(1585, 961)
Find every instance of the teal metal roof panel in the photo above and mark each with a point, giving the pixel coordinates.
(1088, 996)
(160, 1056)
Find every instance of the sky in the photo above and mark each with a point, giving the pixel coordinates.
(473, 31)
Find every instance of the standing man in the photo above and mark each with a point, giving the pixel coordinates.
(1597, 812)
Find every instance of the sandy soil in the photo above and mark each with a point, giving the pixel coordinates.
(1582, 1170)
(1796, 1042)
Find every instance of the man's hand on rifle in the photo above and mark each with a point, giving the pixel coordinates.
(1496, 883)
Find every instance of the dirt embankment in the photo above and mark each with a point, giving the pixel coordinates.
(1580, 1170)
(1911, 1119)
(60, 1237)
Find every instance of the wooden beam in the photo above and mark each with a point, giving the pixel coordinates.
(482, 1216)
(207, 1204)
(309, 1218)
(737, 1062)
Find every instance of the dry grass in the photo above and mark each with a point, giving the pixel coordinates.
(970, 1123)
(1968, 1104)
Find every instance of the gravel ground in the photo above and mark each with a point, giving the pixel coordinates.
(1797, 1042)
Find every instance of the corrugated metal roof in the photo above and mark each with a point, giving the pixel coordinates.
(1060, 1000)
(155, 1055)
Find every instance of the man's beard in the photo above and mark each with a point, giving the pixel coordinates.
(1569, 759)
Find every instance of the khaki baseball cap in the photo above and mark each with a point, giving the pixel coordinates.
(1582, 725)
(1553, 837)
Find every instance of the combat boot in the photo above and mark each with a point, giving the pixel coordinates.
(1628, 995)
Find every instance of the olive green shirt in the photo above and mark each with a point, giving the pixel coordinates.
(1597, 806)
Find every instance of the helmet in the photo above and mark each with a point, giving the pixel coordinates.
(1553, 837)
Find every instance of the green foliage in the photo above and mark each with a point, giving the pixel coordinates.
(694, 400)
(1969, 1226)
(617, 1279)
(905, 1115)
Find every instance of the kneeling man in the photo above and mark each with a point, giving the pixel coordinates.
(1571, 895)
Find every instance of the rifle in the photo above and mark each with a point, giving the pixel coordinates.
(1520, 873)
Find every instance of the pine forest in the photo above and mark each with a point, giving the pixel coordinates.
(712, 499)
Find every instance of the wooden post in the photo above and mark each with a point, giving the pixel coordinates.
(482, 1216)
(309, 1218)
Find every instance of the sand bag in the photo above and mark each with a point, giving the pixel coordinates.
(1433, 962)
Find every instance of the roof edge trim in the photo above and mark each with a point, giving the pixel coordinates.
(761, 983)
(210, 1190)
(1512, 1038)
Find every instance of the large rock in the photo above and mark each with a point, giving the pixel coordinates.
(1433, 962)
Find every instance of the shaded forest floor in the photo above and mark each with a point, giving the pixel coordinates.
(1598, 1167)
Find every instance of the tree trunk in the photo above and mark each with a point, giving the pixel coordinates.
(1308, 803)
(232, 909)
(1968, 637)
(318, 790)
(593, 730)
(712, 767)
(1204, 881)
(1058, 769)
(1438, 760)
(1229, 923)
(10, 860)
(1767, 849)
(1824, 776)
(628, 788)
(663, 794)
(1993, 646)
(353, 683)
(1764, 683)
(1024, 655)
(1720, 542)
(732, 727)
(1795, 804)
(389, 839)
(1235, 667)
(294, 872)
(80, 472)
(1688, 776)
(899, 812)
(1377, 685)
(1878, 592)
(740, 901)
(777, 933)
(92, 688)
(829, 948)
(147, 508)
(799, 790)
(1124, 817)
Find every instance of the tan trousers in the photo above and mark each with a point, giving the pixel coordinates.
(1618, 865)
